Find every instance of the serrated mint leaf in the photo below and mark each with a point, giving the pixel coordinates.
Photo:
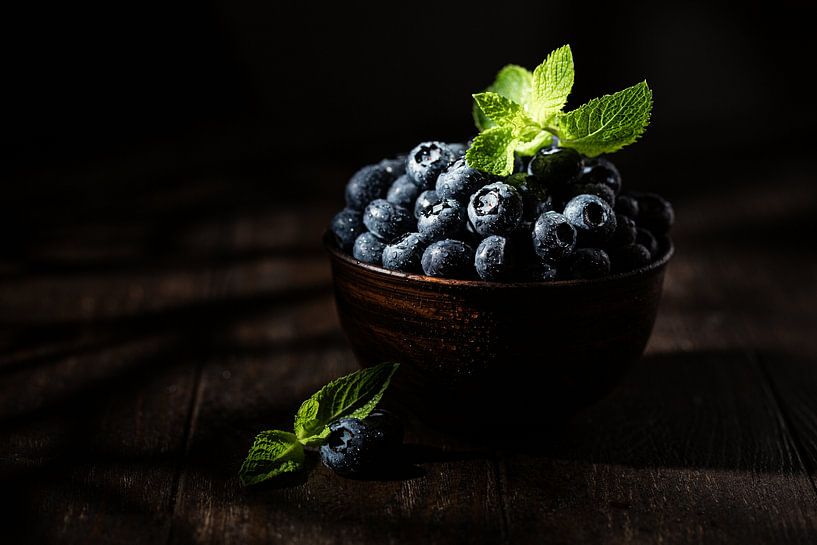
(492, 151)
(505, 112)
(527, 149)
(512, 82)
(272, 453)
(607, 123)
(353, 396)
(552, 82)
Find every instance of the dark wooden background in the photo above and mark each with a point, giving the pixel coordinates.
(164, 295)
(143, 349)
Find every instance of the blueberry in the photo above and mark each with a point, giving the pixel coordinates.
(367, 184)
(368, 249)
(403, 192)
(556, 167)
(396, 167)
(542, 271)
(386, 220)
(494, 259)
(359, 447)
(404, 254)
(425, 201)
(459, 181)
(599, 190)
(445, 219)
(496, 209)
(553, 236)
(593, 218)
(655, 213)
(448, 259)
(388, 422)
(427, 161)
(646, 239)
(347, 225)
(458, 148)
(629, 258)
(601, 171)
(588, 263)
(627, 204)
(625, 232)
(535, 198)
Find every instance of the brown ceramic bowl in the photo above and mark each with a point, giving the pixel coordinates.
(472, 350)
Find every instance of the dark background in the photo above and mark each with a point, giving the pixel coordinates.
(147, 117)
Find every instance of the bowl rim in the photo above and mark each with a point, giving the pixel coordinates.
(330, 244)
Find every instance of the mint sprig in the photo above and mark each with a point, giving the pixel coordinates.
(521, 112)
(276, 452)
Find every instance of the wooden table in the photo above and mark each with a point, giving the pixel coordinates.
(143, 349)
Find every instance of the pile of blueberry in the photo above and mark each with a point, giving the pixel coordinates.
(558, 216)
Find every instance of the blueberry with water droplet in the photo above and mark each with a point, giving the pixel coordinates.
(553, 236)
(367, 184)
(404, 254)
(494, 259)
(368, 249)
(495, 209)
(403, 192)
(449, 259)
(601, 171)
(594, 219)
(425, 201)
(459, 181)
(386, 220)
(347, 226)
(427, 161)
(446, 219)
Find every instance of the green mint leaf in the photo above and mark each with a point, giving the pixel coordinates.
(505, 112)
(272, 453)
(552, 82)
(353, 396)
(492, 151)
(528, 149)
(512, 82)
(607, 123)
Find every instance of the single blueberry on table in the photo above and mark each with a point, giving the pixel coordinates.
(446, 219)
(655, 213)
(553, 236)
(449, 259)
(599, 190)
(494, 260)
(587, 263)
(628, 258)
(368, 249)
(396, 167)
(347, 225)
(625, 232)
(367, 184)
(557, 168)
(459, 181)
(404, 253)
(360, 447)
(627, 204)
(425, 201)
(646, 239)
(427, 161)
(403, 192)
(386, 220)
(601, 171)
(594, 220)
(495, 209)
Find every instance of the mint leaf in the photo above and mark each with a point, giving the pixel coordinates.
(272, 453)
(353, 396)
(512, 82)
(552, 82)
(527, 149)
(505, 112)
(492, 151)
(607, 123)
